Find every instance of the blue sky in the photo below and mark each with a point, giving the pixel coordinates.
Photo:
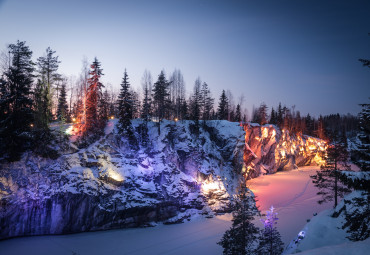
(302, 53)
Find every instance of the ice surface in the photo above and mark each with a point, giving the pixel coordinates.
(290, 192)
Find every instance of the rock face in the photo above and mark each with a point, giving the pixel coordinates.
(112, 184)
(268, 150)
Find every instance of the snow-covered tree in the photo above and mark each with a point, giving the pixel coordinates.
(241, 238)
(125, 106)
(16, 103)
(363, 146)
(160, 98)
(270, 239)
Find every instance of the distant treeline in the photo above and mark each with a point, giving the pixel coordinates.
(33, 94)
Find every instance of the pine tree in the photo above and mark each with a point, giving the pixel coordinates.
(160, 98)
(222, 110)
(47, 68)
(136, 105)
(184, 110)
(125, 107)
(241, 238)
(327, 179)
(104, 107)
(195, 105)
(320, 132)
(270, 240)
(146, 111)
(273, 116)
(93, 123)
(238, 114)
(357, 222)
(309, 124)
(16, 103)
(40, 107)
(262, 114)
(62, 111)
(279, 116)
(363, 146)
(206, 102)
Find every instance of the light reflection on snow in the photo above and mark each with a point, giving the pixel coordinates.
(114, 175)
(69, 130)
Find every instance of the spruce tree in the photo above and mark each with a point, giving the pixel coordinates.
(262, 114)
(93, 123)
(238, 114)
(327, 179)
(146, 112)
(206, 102)
(309, 124)
(184, 110)
(40, 107)
(16, 102)
(222, 110)
(279, 116)
(195, 105)
(147, 103)
(270, 239)
(363, 137)
(104, 107)
(273, 116)
(62, 111)
(241, 238)
(160, 98)
(47, 69)
(358, 221)
(125, 107)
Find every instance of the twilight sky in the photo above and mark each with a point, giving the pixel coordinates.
(302, 53)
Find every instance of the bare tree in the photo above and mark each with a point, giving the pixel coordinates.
(177, 92)
(5, 60)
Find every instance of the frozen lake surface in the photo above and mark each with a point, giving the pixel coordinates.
(290, 192)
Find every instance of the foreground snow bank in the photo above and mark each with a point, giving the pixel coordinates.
(325, 235)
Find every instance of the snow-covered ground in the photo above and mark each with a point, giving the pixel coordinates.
(294, 197)
(290, 192)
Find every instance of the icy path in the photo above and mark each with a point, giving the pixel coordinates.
(291, 193)
(294, 197)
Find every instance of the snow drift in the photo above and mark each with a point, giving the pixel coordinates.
(110, 184)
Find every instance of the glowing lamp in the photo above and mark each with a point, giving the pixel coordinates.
(111, 117)
(176, 119)
(74, 119)
(31, 125)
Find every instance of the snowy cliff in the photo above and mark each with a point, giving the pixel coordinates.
(110, 184)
